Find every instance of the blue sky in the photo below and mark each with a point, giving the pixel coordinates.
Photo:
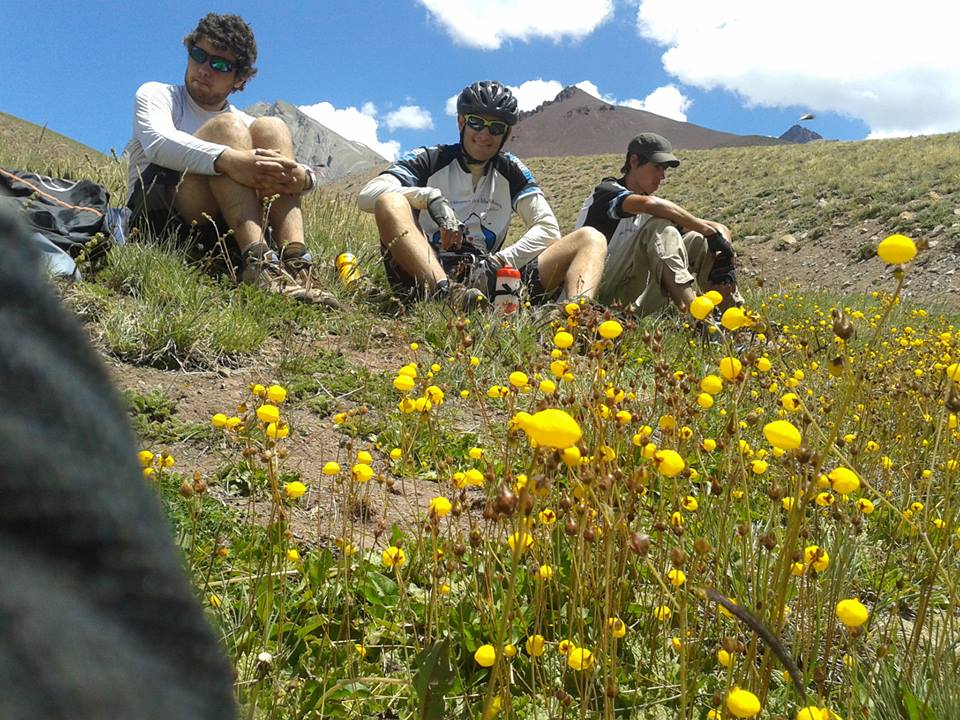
(740, 68)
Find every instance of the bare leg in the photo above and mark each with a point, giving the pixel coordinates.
(286, 218)
(576, 260)
(682, 295)
(403, 239)
(200, 195)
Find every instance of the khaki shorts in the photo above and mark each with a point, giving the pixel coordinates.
(635, 261)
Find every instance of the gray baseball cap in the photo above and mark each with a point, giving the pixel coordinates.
(655, 148)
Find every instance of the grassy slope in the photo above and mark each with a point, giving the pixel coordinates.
(768, 191)
(26, 145)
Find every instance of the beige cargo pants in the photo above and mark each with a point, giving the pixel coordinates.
(635, 261)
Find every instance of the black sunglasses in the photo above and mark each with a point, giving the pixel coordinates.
(200, 56)
(477, 123)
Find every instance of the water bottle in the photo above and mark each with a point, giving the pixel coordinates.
(506, 290)
(348, 268)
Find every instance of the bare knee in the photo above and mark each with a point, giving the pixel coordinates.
(591, 241)
(271, 132)
(391, 206)
(226, 129)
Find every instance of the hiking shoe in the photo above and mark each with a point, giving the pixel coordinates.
(299, 266)
(460, 297)
(265, 272)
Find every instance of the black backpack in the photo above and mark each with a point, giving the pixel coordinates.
(67, 212)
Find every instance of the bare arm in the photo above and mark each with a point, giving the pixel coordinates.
(658, 207)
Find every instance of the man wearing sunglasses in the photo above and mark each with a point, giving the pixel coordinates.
(649, 262)
(443, 213)
(199, 167)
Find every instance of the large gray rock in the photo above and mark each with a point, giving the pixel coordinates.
(330, 154)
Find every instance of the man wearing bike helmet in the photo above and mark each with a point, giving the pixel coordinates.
(443, 213)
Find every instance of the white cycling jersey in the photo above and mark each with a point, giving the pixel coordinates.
(483, 204)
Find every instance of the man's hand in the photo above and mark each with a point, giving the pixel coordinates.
(260, 168)
(442, 213)
(719, 243)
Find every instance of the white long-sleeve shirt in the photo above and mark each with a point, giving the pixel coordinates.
(164, 120)
(484, 205)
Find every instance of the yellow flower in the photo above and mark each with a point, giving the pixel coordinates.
(811, 713)
(610, 329)
(662, 613)
(403, 383)
(764, 364)
(544, 572)
(759, 467)
(145, 457)
(565, 646)
(360, 649)
(705, 400)
(677, 577)
(668, 462)
(278, 430)
(522, 539)
(364, 457)
(396, 453)
(571, 456)
(410, 370)
(548, 387)
(509, 650)
(552, 428)
(330, 468)
(276, 394)
(294, 489)
(852, 612)
(790, 401)
(709, 444)
(690, 503)
(617, 628)
(724, 658)
(817, 557)
(440, 507)
(259, 390)
(518, 379)
(486, 655)
(393, 557)
(535, 645)
(711, 384)
(149, 472)
(788, 503)
(268, 413)
(742, 703)
(293, 555)
(361, 472)
(701, 307)
(730, 367)
(547, 516)
(734, 318)
(865, 506)
(782, 434)
(896, 249)
(844, 480)
(563, 339)
(581, 658)
(953, 372)
(214, 600)
(219, 420)
(475, 453)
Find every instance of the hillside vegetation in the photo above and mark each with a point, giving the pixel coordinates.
(566, 513)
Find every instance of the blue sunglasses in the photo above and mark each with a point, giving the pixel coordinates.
(200, 56)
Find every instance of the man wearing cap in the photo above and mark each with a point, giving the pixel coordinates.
(444, 212)
(649, 262)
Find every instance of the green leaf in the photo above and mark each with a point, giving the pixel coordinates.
(379, 589)
(915, 709)
(432, 678)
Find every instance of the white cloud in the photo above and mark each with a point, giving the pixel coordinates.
(532, 93)
(486, 24)
(451, 106)
(884, 63)
(358, 125)
(409, 117)
(666, 101)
